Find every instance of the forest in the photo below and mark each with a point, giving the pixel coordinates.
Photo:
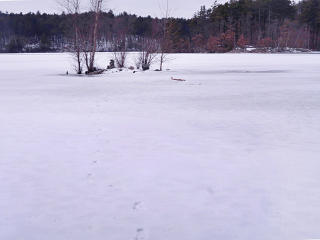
(267, 24)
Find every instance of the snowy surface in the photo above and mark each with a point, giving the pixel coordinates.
(232, 153)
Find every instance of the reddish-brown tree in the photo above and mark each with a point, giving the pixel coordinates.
(242, 42)
(198, 43)
(227, 40)
(265, 42)
(213, 44)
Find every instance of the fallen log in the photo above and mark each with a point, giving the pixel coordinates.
(178, 79)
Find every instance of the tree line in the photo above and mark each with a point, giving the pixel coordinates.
(276, 24)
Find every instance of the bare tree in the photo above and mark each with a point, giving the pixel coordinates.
(164, 41)
(138, 62)
(91, 35)
(148, 54)
(73, 8)
(119, 46)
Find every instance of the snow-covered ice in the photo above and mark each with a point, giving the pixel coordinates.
(232, 153)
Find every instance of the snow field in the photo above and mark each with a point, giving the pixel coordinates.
(232, 153)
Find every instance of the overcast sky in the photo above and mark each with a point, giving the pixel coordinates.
(181, 8)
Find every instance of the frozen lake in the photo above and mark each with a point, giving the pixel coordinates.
(232, 153)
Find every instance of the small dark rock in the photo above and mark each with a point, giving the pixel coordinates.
(111, 64)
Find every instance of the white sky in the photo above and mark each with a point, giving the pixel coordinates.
(180, 8)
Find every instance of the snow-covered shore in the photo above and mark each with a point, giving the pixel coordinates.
(232, 153)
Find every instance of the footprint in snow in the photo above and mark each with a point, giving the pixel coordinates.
(136, 205)
(210, 190)
(139, 234)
